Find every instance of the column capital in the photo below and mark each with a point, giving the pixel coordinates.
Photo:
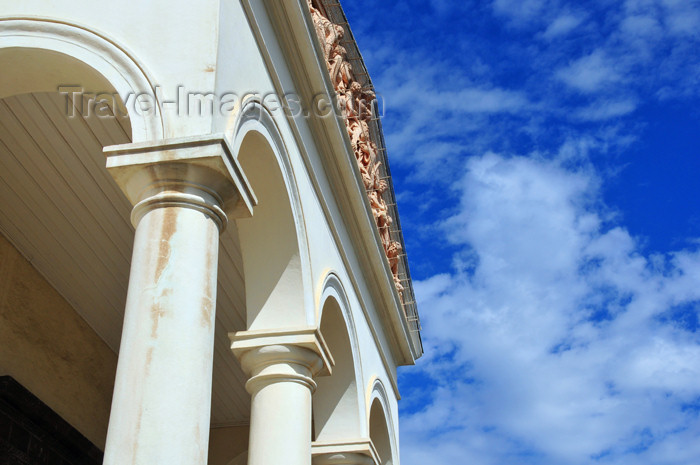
(357, 452)
(296, 355)
(193, 172)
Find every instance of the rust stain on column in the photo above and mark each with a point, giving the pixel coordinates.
(206, 311)
(149, 358)
(136, 435)
(207, 301)
(168, 228)
(200, 449)
(156, 313)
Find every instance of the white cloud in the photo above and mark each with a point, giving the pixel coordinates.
(641, 26)
(682, 17)
(418, 100)
(606, 109)
(519, 10)
(562, 25)
(442, 6)
(479, 100)
(552, 350)
(590, 73)
(551, 340)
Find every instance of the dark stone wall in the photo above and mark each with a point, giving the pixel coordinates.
(33, 434)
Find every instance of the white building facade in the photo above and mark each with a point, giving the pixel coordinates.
(200, 254)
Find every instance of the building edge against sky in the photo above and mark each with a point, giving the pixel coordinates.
(198, 262)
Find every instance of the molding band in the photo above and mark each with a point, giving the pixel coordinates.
(343, 458)
(183, 200)
(277, 363)
(256, 383)
(359, 451)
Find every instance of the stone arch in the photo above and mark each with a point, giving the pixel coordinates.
(336, 402)
(75, 227)
(275, 254)
(74, 55)
(381, 425)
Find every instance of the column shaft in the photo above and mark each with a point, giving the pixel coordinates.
(162, 395)
(280, 425)
(281, 384)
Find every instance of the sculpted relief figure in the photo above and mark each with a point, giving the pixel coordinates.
(325, 30)
(340, 69)
(364, 104)
(393, 253)
(355, 104)
(346, 101)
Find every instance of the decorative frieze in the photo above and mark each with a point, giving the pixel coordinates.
(355, 104)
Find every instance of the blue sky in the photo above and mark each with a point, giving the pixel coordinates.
(546, 160)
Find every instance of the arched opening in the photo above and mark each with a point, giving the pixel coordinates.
(336, 413)
(272, 265)
(27, 70)
(268, 252)
(379, 432)
(39, 55)
(65, 235)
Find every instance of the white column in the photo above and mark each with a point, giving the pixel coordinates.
(162, 395)
(281, 367)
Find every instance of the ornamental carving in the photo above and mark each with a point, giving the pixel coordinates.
(355, 104)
